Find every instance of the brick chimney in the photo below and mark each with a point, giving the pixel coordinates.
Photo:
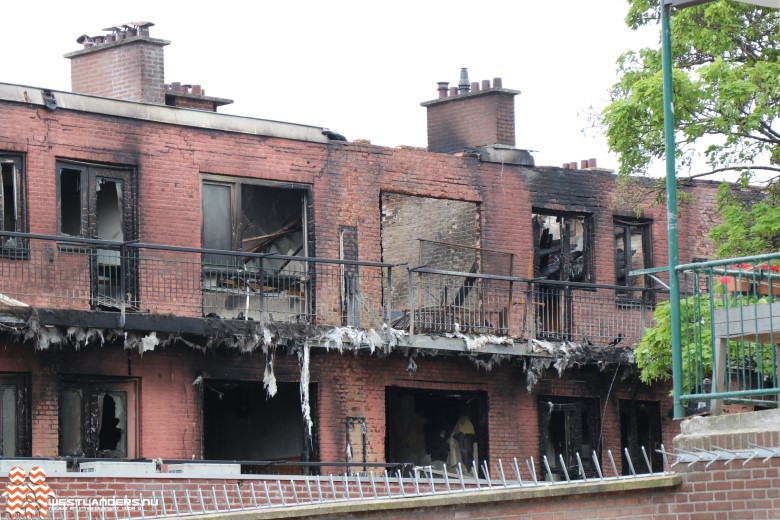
(468, 116)
(126, 64)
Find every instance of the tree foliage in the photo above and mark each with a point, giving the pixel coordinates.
(726, 84)
(654, 357)
(726, 90)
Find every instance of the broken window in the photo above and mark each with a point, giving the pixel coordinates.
(241, 423)
(15, 438)
(13, 211)
(436, 428)
(568, 426)
(562, 246)
(640, 427)
(99, 202)
(632, 252)
(255, 217)
(98, 418)
(562, 251)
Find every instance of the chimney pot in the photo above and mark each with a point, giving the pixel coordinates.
(591, 163)
(584, 164)
(443, 88)
(196, 89)
(176, 86)
(453, 91)
(475, 86)
(463, 83)
(498, 83)
(485, 84)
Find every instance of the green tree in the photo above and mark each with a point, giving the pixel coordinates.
(726, 84)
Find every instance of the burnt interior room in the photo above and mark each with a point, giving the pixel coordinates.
(640, 426)
(240, 422)
(438, 428)
(567, 426)
(256, 218)
(561, 253)
(261, 218)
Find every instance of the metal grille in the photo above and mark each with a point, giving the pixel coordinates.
(91, 274)
(270, 493)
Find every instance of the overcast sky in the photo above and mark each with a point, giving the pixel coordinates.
(360, 68)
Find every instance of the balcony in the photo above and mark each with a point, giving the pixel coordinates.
(730, 326)
(114, 285)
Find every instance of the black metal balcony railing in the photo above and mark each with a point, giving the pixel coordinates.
(522, 308)
(89, 274)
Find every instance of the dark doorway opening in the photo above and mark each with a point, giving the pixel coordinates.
(568, 426)
(640, 426)
(241, 423)
(438, 428)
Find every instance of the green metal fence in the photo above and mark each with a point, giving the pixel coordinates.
(729, 327)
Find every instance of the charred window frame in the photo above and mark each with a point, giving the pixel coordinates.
(563, 243)
(15, 424)
(633, 251)
(100, 201)
(567, 426)
(79, 202)
(98, 417)
(13, 206)
(640, 427)
(228, 225)
(257, 216)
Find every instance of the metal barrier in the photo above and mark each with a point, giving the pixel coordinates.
(472, 303)
(257, 494)
(730, 323)
(87, 274)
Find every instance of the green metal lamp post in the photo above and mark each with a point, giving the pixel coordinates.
(671, 187)
(671, 207)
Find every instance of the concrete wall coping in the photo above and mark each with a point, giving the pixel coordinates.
(458, 498)
(761, 421)
(34, 96)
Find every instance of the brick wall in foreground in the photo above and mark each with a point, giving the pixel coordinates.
(698, 493)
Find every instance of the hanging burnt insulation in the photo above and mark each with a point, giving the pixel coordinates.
(304, 356)
(269, 378)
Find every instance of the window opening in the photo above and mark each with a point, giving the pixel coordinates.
(640, 426)
(436, 428)
(98, 202)
(13, 212)
(561, 252)
(241, 423)
(632, 252)
(568, 426)
(256, 218)
(98, 418)
(15, 439)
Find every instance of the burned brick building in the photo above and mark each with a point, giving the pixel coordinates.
(177, 283)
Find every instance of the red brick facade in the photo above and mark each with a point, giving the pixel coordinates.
(346, 182)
